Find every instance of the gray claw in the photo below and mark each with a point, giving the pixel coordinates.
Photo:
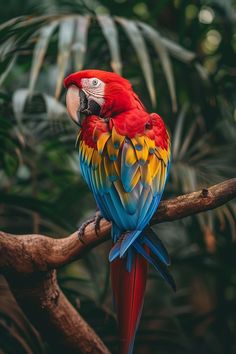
(96, 220)
(82, 229)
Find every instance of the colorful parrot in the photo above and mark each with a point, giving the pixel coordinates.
(124, 155)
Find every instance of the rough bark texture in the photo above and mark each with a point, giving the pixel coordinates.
(51, 313)
(32, 253)
(195, 202)
(28, 263)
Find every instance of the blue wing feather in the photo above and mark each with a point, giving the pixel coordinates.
(157, 265)
(129, 200)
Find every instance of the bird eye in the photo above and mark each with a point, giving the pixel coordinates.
(95, 82)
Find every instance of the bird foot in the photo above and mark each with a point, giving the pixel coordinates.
(95, 220)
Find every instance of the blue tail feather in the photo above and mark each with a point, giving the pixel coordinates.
(128, 240)
(161, 268)
(134, 241)
(115, 232)
(155, 250)
(156, 246)
(114, 252)
(129, 259)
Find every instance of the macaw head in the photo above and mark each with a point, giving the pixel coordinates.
(101, 93)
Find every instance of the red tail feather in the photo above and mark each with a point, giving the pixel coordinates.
(128, 292)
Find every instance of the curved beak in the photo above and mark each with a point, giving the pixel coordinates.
(73, 103)
(77, 102)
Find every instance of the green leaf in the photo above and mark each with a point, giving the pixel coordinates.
(111, 34)
(188, 139)
(177, 51)
(65, 37)
(54, 108)
(177, 136)
(18, 103)
(11, 22)
(10, 65)
(136, 38)
(39, 52)
(10, 164)
(161, 51)
(202, 73)
(7, 47)
(80, 45)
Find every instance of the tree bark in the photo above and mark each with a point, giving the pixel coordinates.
(28, 263)
(32, 253)
(48, 309)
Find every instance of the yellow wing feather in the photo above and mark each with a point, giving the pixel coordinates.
(140, 151)
(102, 141)
(117, 139)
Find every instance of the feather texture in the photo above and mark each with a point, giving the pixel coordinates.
(129, 307)
(126, 173)
(127, 176)
(125, 158)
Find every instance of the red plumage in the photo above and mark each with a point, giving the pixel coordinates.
(118, 96)
(130, 124)
(122, 114)
(128, 291)
(92, 129)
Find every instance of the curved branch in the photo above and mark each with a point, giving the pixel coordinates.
(30, 253)
(196, 202)
(52, 314)
(28, 261)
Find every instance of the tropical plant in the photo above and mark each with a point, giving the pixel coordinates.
(186, 52)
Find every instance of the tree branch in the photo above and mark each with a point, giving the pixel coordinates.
(30, 253)
(28, 261)
(51, 313)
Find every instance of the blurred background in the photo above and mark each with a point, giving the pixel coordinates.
(181, 59)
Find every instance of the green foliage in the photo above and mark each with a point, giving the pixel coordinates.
(179, 54)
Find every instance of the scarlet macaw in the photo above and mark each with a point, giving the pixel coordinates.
(124, 155)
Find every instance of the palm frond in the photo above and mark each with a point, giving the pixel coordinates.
(162, 52)
(71, 32)
(79, 46)
(39, 52)
(110, 32)
(137, 40)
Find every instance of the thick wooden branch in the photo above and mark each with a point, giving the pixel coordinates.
(30, 253)
(51, 313)
(196, 202)
(27, 261)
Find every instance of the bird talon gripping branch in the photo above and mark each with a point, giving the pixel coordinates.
(124, 155)
(94, 220)
(81, 230)
(97, 219)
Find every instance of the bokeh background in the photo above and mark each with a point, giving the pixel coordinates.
(181, 59)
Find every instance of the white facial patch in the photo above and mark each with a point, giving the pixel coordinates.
(94, 88)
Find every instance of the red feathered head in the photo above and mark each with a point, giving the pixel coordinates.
(101, 93)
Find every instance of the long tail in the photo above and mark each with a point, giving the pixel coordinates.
(129, 259)
(128, 291)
